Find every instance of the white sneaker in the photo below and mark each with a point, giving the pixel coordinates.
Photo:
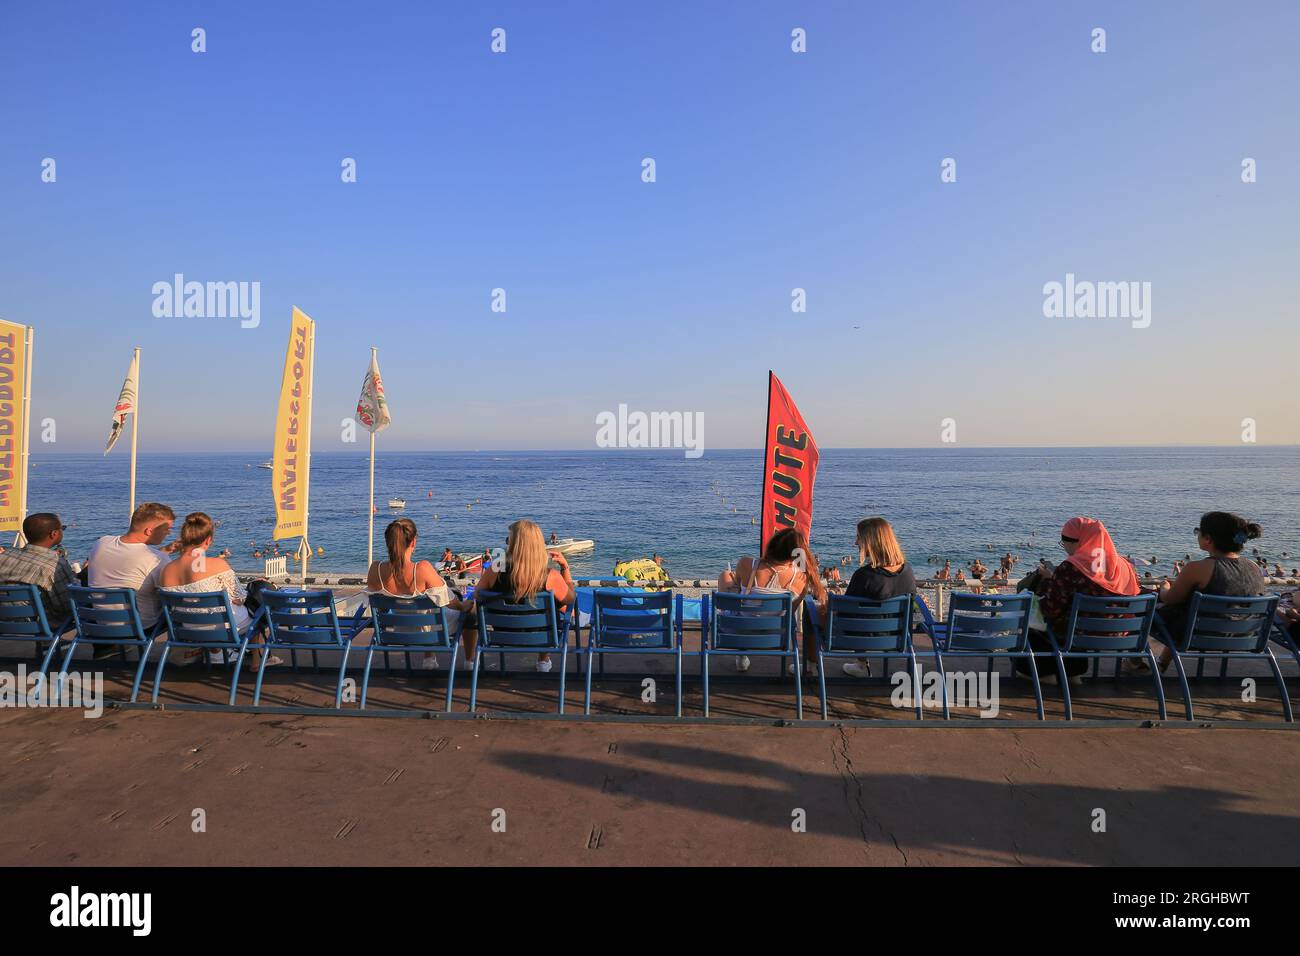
(430, 663)
(216, 657)
(858, 669)
(742, 664)
(543, 667)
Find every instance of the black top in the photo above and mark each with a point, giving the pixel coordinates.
(877, 584)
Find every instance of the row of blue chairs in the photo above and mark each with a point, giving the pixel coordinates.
(625, 622)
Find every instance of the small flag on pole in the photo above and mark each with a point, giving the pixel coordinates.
(125, 402)
(372, 406)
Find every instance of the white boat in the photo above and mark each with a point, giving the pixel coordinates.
(571, 545)
(267, 465)
(397, 502)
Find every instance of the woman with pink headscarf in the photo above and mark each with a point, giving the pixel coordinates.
(1092, 566)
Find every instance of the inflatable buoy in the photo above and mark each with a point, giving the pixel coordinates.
(641, 569)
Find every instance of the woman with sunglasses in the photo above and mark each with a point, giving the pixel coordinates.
(1093, 567)
(1222, 535)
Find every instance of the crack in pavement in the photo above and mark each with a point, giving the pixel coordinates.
(857, 808)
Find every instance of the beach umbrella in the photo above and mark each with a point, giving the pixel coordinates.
(128, 403)
(372, 411)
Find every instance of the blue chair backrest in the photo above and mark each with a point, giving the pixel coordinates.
(995, 622)
(22, 615)
(302, 617)
(106, 614)
(206, 618)
(751, 622)
(861, 624)
(503, 623)
(1109, 623)
(408, 621)
(1219, 623)
(641, 620)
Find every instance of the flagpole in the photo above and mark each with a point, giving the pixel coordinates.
(135, 424)
(20, 539)
(306, 511)
(370, 555)
(762, 488)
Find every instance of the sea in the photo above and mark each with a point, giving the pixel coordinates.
(700, 514)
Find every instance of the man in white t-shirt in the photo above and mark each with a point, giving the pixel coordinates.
(133, 560)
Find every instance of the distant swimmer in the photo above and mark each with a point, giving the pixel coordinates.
(961, 575)
(554, 538)
(946, 572)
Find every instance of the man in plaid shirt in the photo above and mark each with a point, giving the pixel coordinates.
(40, 564)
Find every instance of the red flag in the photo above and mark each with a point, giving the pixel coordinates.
(789, 466)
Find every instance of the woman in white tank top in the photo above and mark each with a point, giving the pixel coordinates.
(400, 576)
(787, 566)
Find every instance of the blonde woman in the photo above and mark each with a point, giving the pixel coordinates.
(527, 571)
(192, 571)
(884, 574)
(402, 576)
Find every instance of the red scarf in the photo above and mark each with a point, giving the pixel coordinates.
(1097, 559)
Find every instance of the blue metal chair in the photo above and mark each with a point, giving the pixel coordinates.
(1220, 627)
(641, 623)
(755, 625)
(308, 621)
(1115, 627)
(109, 616)
(410, 625)
(22, 618)
(205, 621)
(989, 626)
(859, 627)
(505, 627)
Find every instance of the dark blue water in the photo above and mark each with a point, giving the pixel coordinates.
(951, 503)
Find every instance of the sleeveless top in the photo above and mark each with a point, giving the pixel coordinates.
(503, 585)
(749, 587)
(440, 596)
(1234, 577)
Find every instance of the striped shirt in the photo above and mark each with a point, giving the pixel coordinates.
(48, 570)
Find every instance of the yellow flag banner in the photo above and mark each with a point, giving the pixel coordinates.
(13, 424)
(291, 461)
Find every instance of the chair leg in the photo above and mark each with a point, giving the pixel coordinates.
(162, 662)
(564, 669)
(343, 669)
(143, 653)
(451, 673)
(49, 656)
(679, 678)
(1064, 681)
(918, 697)
(943, 683)
(365, 674)
(1038, 686)
(821, 681)
(239, 663)
(1160, 684)
(1182, 676)
(704, 679)
(473, 681)
(63, 669)
(798, 684)
(1281, 685)
(586, 695)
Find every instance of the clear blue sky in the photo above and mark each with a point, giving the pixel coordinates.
(775, 170)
